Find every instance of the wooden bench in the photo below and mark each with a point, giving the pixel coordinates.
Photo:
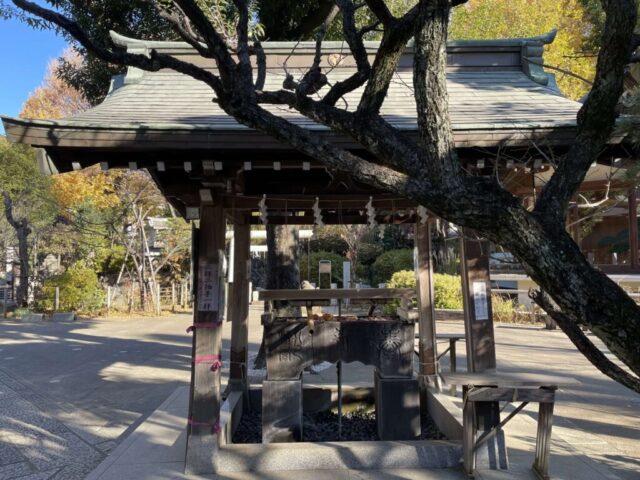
(507, 387)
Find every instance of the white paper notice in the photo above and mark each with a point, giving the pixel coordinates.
(480, 300)
(208, 284)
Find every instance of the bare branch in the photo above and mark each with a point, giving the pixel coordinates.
(261, 64)
(212, 38)
(184, 31)
(558, 69)
(359, 52)
(152, 63)
(582, 342)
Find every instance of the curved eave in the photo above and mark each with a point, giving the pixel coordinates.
(60, 134)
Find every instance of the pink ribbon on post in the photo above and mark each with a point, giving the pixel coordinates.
(213, 359)
(215, 426)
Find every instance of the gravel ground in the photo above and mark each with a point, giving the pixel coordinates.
(359, 425)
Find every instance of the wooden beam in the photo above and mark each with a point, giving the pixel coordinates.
(633, 228)
(478, 322)
(333, 219)
(476, 288)
(340, 293)
(204, 417)
(239, 303)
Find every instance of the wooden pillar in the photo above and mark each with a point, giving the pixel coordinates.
(426, 311)
(476, 288)
(480, 340)
(239, 303)
(205, 398)
(633, 228)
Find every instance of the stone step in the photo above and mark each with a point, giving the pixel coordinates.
(421, 454)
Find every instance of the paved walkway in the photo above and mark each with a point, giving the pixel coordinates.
(71, 392)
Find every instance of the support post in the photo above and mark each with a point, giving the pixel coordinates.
(480, 340)
(633, 229)
(205, 393)
(426, 319)
(108, 299)
(478, 316)
(239, 302)
(173, 296)
(56, 306)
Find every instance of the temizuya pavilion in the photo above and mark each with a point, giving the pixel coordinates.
(212, 169)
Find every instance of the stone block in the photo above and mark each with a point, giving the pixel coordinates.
(387, 345)
(281, 411)
(63, 317)
(397, 408)
(33, 317)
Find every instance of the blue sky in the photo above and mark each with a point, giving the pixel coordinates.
(24, 56)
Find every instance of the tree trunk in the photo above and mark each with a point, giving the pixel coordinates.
(23, 231)
(584, 293)
(283, 269)
(442, 251)
(22, 289)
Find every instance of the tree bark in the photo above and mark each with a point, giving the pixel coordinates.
(283, 268)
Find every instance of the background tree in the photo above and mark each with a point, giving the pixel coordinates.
(27, 204)
(572, 50)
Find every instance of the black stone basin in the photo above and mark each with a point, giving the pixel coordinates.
(294, 343)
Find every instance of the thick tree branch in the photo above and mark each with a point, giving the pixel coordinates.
(584, 345)
(387, 144)
(380, 10)
(308, 143)
(358, 50)
(394, 40)
(212, 38)
(596, 118)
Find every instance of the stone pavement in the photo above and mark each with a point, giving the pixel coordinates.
(72, 392)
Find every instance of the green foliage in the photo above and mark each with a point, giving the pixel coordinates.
(390, 262)
(403, 279)
(309, 268)
(447, 291)
(80, 289)
(574, 47)
(328, 239)
(21, 312)
(506, 310)
(30, 190)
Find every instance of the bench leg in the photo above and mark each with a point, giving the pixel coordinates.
(543, 441)
(452, 363)
(469, 438)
